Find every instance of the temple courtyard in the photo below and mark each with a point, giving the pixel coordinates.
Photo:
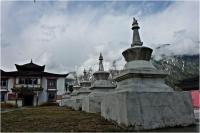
(63, 119)
(53, 119)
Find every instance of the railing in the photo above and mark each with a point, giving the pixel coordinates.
(4, 87)
(27, 85)
(26, 88)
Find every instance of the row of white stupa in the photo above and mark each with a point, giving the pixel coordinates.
(141, 100)
(87, 92)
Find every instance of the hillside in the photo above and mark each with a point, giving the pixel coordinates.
(178, 66)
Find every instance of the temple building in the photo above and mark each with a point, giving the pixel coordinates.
(30, 85)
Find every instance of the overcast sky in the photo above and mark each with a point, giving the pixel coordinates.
(68, 36)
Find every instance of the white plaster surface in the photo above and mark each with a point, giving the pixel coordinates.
(19, 102)
(10, 84)
(76, 99)
(139, 64)
(75, 103)
(61, 86)
(92, 103)
(144, 85)
(148, 110)
(104, 84)
(42, 96)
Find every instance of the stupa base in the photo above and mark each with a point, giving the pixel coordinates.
(73, 103)
(92, 103)
(148, 110)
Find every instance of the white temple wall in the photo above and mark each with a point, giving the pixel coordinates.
(10, 83)
(19, 102)
(10, 86)
(34, 100)
(61, 86)
(42, 96)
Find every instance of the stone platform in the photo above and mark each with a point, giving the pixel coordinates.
(75, 102)
(148, 110)
(92, 103)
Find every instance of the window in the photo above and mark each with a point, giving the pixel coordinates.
(21, 81)
(28, 81)
(34, 81)
(51, 83)
(4, 82)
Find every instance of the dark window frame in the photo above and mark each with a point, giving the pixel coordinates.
(52, 83)
(30, 81)
(4, 82)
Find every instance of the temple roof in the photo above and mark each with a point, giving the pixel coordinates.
(31, 73)
(30, 67)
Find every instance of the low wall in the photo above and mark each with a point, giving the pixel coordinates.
(19, 102)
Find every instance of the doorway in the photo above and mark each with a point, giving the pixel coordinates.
(28, 100)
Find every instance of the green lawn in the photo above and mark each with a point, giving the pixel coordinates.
(54, 119)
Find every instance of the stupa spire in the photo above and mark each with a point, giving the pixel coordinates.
(76, 83)
(84, 75)
(136, 36)
(101, 68)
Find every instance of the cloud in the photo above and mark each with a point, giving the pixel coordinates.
(69, 36)
(177, 25)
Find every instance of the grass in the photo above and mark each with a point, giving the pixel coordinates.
(54, 119)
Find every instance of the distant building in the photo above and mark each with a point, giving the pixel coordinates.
(192, 85)
(31, 86)
(189, 84)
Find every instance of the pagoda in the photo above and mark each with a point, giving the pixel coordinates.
(142, 100)
(68, 99)
(85, 84)
(81, 91)
(76, 87)
(101, 86)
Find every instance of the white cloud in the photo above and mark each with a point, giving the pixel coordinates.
(165, 28)
(68, 42)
